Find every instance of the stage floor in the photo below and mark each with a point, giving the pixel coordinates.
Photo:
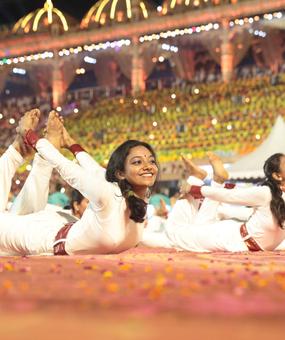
(143, 294)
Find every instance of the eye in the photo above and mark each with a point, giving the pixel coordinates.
(136, 162)
(153, 161)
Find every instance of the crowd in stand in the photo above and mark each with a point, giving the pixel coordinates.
(230, 119)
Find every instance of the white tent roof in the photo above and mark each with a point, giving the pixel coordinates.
(251, 165)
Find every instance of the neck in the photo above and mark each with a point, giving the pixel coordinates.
(141, 193)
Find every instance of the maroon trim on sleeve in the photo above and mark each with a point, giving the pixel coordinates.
(229, 185)
(31, 138)
(195, 191)
(75, 149)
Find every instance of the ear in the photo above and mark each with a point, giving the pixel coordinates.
(120, 174)
(277, 176)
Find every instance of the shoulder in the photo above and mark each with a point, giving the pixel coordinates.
(263, 190)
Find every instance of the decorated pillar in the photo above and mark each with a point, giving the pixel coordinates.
(227, 55)
(63, 73)
(58, 85)
(137, 75)
(106, 71)
(41, 78)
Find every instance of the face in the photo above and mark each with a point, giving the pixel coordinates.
(280, 176)
(79, 208)
(140, 168)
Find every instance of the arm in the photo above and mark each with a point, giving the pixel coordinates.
(88, 163)
(34, 194)
(253, 196)
(9, 162)
(83, 158)
(240, 213)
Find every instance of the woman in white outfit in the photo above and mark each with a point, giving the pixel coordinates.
(264, 230)
(114, 218)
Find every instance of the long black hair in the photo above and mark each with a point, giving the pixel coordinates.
(277, 205)
(116, 163)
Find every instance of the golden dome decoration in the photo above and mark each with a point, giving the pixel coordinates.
(109, 11)
(173, 5)
(41, 20)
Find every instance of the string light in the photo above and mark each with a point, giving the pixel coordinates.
(154, 36)
(180, 32)
(20, 71)
(210, 26)
(80, 70)
(170, 48)
(66, 52)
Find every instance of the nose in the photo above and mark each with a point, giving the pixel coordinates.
(147, 165)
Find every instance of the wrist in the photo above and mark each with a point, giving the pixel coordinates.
(75, 149)
(195, 191)
(31, 138)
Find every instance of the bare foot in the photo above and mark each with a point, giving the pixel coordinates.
(184, 190)
(67, 140)
(29, 121)
(192, 169)
(54, 129)
(219, 171)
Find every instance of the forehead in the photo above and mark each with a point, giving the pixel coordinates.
(139, 151)
(282, 161)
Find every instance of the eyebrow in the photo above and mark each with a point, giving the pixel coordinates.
(150, 156)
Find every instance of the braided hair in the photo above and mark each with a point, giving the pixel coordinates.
(116, 163)
(277, 205)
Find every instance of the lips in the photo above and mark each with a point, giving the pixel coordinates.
(148, 174)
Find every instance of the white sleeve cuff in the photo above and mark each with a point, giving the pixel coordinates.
(192, 180)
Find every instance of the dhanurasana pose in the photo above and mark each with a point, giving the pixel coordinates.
(201, 232)
(114, 218)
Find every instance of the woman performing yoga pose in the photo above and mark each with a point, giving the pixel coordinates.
(114, 218)
(264, 229)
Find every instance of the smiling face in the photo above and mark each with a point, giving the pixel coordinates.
(280, 175)
(140, 169)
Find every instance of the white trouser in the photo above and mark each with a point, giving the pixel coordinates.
(9, 162)
(31, 234)
(34, 194)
